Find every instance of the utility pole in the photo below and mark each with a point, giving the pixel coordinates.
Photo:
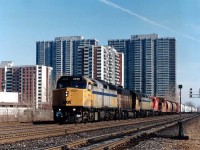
(180, 87)
(180, 126)
(180, 131)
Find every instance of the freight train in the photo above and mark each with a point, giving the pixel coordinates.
(82, 99)
(188, 109)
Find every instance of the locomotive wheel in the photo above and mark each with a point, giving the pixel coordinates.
(85, 117)
(92, 116)
(101, 115)
(111, 116)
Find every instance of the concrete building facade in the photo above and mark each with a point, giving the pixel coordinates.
(101, 62)
(33, 84)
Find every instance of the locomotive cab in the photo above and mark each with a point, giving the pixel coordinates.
(73, 94)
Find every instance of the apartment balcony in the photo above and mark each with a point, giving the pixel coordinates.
(99, 59)
(86, 58)
(106, 65)
(98, 70)
(111, 64)
(110, 67)
(117, 74)
(106, 71)
(117, 78)
(98, 53)
(117, 64)
(111, 60)
(110, 74)
(117, 81)
(99, 77)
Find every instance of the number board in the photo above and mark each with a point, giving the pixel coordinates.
(76, 79)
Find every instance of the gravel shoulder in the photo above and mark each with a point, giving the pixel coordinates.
(191, 129)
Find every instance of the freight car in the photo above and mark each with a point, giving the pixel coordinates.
(194, 109)
(189, 109)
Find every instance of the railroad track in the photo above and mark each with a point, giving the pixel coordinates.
(111, 141)
(77, 135)
(14, 134)
(11, 134)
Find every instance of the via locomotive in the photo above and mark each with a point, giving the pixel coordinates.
(83, 99)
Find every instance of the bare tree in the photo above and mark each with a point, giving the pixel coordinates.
(172, 94)
(189, 103)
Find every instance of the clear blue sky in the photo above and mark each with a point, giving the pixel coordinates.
(23, 22)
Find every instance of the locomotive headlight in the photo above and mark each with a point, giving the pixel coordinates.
(78, 115)
(66, 93)
(74, 109)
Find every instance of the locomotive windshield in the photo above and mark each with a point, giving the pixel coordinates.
(74, 82)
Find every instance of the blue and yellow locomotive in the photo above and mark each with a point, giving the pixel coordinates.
(83, 99)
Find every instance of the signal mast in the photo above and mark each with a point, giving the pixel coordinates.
(194, 95)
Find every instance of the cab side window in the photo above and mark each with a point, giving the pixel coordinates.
(89, 86)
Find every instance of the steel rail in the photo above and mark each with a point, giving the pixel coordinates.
(118, 138)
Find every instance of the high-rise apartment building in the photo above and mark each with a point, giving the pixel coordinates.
(33, 83)
(121, 45)
(62, 53)
(150, 63)
(165, 66)
(44, 51)
(101, 62)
